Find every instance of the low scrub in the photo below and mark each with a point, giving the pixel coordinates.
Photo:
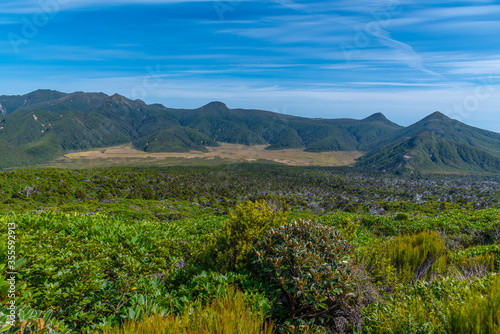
(231, 313)
(404, 259)
(448, 306)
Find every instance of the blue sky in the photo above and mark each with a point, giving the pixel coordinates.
(326, 59)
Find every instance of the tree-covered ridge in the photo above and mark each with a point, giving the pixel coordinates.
(451, 130)
(430, 152)
(125, 121)
(45, 124)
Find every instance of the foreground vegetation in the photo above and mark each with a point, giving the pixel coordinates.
(251, 249)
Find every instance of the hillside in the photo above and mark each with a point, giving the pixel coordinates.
(429, 152)
(45, 124)
(9, 104)
(256, 127)
(12, 156)
(97, 234)
(449, 129)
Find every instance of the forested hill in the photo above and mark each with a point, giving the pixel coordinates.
(41, 126)
(427, 151)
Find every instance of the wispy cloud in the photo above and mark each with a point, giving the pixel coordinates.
(316, 58)
(330, 30)
(475, 67)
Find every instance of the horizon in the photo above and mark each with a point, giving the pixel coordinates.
(308, 59)
(222, 102)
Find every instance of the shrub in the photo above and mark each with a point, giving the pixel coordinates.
(446, 306)
(404, 259)
(401, 216)
(230, 313)
(30, 321)
(233, 246)
(206, 286)
(26, 318)
(414, 255)
(475, 261)
(479, 313)
(308, 263)
(81, 194)
(482, 250)
(348, 228)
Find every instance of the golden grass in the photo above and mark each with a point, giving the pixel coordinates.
(228, 314)
(226, 153)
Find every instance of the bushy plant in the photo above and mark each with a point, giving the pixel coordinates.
(414, 255)
(233, 246)
(489, 251)
(94, 269)
(206, 286)
(479, 312)
(474, 261)
(403, 259)
(229, 313)
(26, 319)
(400, 216)
(442, 306)
(348, 228)
(309, 264)
(31, 321)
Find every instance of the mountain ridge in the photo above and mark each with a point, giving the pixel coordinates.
(430, 152)
(449, 129)
(46, 123)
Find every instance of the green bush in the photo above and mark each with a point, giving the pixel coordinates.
(81, 194)
(414, 255)
(446, 306)
(479, 312)
(404, 259)
(228, 313)
(400, 216)
(309, 264)
(27, 319)
(233, 246)
(206, 286)
(474, 261)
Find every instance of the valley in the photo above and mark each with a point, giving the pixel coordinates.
(126, 155)
(45, 125)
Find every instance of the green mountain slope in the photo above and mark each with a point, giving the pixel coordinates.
(9, 104)
(46, 135)
(175, 139)
(450, 129)
(428, 152)
(79, 101)
(84, 120)
(44, 124)
(12, 156)
(254, 127)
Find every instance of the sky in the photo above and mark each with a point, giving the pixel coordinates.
(328, 59)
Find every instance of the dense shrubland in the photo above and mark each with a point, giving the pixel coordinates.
(252, 249)
(320, 189)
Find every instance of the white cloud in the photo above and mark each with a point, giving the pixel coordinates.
(458, 12)
(475, 67)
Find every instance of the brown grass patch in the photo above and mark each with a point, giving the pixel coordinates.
(226, 153)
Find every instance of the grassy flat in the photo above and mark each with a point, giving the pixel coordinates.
(126, 155)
